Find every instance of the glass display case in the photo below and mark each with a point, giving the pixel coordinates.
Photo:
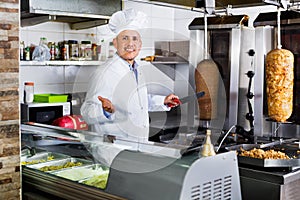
(69, 164)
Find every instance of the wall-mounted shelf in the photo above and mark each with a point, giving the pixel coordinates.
(169, 62)
(61, 63)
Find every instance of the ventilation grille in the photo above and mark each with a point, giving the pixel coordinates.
(218, 189)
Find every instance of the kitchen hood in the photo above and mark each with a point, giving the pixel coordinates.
(286, 17)
(221, 4)
(219, 22)
(80, 14)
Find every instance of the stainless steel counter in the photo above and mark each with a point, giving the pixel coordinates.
(275, 184)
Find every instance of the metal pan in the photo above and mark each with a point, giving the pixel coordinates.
(269, 162)
(291, 150)
(42, 157)
(61, 162)
(82, 173)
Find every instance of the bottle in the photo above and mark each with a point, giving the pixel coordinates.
(111, 50)
(99, 56)
(22, 47)
(41, 52)
(27, 53)
(51, 46)
(93, 46)
(57, 52)
(88, 50)
(28, 92)
(103, 50)
(207, 148)
(65, 51)
(94, 51)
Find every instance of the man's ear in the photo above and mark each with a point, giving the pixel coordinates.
(115, 42)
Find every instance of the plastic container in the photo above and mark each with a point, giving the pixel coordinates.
(28, 92)
(50, 98)
(41, 52)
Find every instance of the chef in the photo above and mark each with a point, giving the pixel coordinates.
(117, 100)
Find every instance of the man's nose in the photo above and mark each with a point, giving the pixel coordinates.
(130, 41)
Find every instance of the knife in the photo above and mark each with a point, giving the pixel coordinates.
(192, 97)
(186, 99)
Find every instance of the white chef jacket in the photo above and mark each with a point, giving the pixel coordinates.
(116, 82)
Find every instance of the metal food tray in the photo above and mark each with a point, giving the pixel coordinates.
(43, 157)
(91, 177)
(27, 152)
(87, 176)
(289, 150)
(269, 162)
(60, 162)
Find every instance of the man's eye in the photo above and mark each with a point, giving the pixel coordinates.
(125, 38)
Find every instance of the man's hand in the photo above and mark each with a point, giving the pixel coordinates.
(172, 100)
(107, 105)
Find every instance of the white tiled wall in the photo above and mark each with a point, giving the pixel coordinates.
(164, 24)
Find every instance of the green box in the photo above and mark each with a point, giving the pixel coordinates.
(50, 98)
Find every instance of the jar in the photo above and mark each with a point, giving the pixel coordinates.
(51, 46)
(63, 50)
(73, 49)
(28, 92)
(86, 50)
(57, 52)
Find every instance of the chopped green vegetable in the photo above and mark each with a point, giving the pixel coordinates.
(98, 181)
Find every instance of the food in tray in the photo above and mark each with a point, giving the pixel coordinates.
(279, 82)
(57, 167)
(31, 162)
(264, 154)
(77, 174)
(98, 181)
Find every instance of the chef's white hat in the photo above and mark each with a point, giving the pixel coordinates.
(127, 19)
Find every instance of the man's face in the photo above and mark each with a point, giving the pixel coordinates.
(128, 44)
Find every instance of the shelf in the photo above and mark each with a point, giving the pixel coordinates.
(61, 63)
(169, 62)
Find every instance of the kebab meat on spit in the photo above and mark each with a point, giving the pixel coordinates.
(279, 80)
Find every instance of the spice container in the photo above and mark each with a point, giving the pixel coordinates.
(28, 92)
(64, 50)
(73, 49)
(86, 50)
(51, 46)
